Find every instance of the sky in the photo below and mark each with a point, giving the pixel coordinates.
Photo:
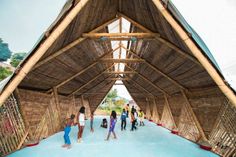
(21, 25)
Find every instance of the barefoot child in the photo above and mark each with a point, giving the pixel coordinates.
(69, 123)
(112, 125)
(81, 123)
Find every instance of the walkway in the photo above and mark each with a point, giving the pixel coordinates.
(147, 141)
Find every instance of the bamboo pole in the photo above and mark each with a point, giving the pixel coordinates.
(161, 39)
(90, 81)
(156, 69)
(197, 52)
(169, 110)
(40, 51)
(107, 60)
(150, 82)
(141, 87)
(120, 72)
(86, 91)
(117, 35)
(189, 109)
(57, 104)
(72, 44)
(83, 70)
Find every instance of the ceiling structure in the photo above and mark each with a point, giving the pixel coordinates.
(144, 51)
(145, 45)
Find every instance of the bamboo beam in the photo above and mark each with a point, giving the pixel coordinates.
(121, 79)
(161, 39)
(169, 110)
(41, 51)
(156, 69)
(90, 81)
(96, 85)
(82, 100)
(147, 80)
(156, 110)
(120, 72)
(72, 44)
(140, 86)
(134, 23)
(83, 70)
(121, 60)
(119, 84)
(117, 35)
(189, 108)
(57, 104)
(197, 53)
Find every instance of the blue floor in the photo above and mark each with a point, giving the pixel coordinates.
(148, 141)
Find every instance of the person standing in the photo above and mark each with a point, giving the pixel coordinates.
(91, 122)
(127, 110)
(112, 125)
(67, 129)
(133, 121)
(81, 123)
(141, 118)
(123, 120)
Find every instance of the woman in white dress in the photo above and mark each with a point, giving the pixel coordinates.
(81, 123)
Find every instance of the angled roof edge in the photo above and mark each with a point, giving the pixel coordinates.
(170, 6)
(195, 37)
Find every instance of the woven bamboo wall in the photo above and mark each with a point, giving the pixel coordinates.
(12, 129)
(206, 106)
(42, 114)
(223, 136)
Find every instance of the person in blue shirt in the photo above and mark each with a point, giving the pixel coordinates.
(123, 120)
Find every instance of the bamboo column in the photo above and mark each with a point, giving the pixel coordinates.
(169, 110)
(58, 110)
(189, 108)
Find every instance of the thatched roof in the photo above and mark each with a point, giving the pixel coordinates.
(169, 64)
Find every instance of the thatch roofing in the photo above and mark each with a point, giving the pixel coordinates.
(174, 66)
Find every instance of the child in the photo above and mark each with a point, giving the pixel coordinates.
(123, 119)
(112, 125)
(141, 117)
(104, 123)
(133, 121)
(81, 123)
(91, 123)
(69, 123)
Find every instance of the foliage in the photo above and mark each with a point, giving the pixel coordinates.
(4, 72)
(112, 94)
(5, 52)
(113, 102)
(17, 58)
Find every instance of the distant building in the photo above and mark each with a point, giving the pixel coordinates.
(5, 65)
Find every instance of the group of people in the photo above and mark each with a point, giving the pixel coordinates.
(135, 116)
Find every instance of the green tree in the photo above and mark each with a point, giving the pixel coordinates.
(17, 58)
(5, 52)
(112, 94)
(4, 72)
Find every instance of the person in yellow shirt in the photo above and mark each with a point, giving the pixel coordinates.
(141, 117)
